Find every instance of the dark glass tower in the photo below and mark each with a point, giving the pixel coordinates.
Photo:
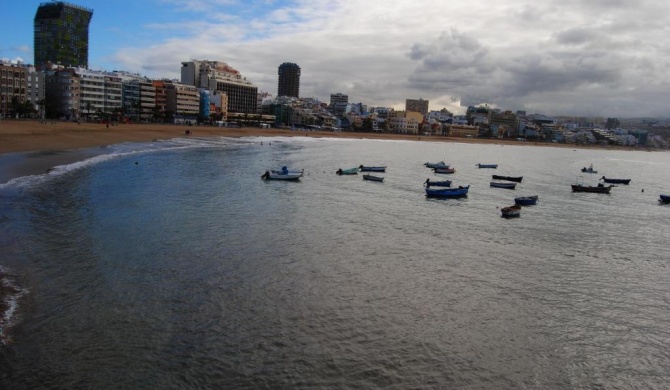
(289, 80)
(61, 34)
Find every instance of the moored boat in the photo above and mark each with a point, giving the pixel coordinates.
(599, 189)
(447, 192)
(373, 178)
(429, 183)
(350, 171)
(664, 199)
(526, 200)
(508, 178)
(276, 175)
(444, 170)
(589, 169)
(494, 166)
(511, 211)
(502, 184)
(285, 170)
(440, 164)
(364, 168)
(615, 181)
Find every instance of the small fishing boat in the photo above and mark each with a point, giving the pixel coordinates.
(363, 168)
(502, 184)
(350, 171)
(445, 183)
(494, 166)
(276, 175)
(373, 178)
(444, 170)
(440, 164)
(664, 199)
(508, 178)
(599, 189)
(511, 211)
(285, 170)
(615, 181)
(447, 192)
(589, 169)
(526, 200)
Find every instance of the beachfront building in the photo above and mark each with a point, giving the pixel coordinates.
(160, 101)
(100, 93)
(13, 88)
(35, 91)
(404, 121)
(62, 93)
(417, 105)
(289, 80)
(61, 34)
(339, 102)
(467, 131)
(504, 124)
(182, 102)
(219, 76)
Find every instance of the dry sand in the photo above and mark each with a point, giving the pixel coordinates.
(30, 135)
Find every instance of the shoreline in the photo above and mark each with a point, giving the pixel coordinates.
(18, 135)
(31, 147)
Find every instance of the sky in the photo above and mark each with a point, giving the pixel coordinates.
(607, 58)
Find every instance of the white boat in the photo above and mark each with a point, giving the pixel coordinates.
(277, 175)
(285, 170)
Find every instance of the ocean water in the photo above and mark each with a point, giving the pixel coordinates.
(172, 265)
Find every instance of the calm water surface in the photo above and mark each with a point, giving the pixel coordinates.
(172, 265)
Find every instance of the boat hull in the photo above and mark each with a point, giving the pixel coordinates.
(447, 192)
(281, 176)
(492, 166)
(526, 200)
(440, 164)
(516, 179)
(351, 171)
(373, 178)
(445, 183)
(372, 169)
(665, 199)
(508, 186)
(595, 190)
(615, 181)
(511, 211)
(444, 170)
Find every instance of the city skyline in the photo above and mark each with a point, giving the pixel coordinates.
(605, 58)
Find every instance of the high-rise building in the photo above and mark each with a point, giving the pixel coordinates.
(61, 34)
(417, 105)
(219, 76)
(289, 80)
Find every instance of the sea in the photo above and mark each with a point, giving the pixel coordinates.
(173, 265)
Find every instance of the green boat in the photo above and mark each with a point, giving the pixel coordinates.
(350, 171)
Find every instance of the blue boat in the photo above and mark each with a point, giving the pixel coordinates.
(372, 169)
(447, 192)
(445, 183)
(665, 199)
(440, 164)
(494, 166)
(526, 200)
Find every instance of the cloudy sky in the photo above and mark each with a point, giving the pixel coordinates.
(557, 57)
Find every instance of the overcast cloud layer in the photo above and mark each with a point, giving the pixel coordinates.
(567, 57)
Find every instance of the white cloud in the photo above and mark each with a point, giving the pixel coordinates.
(604, 57)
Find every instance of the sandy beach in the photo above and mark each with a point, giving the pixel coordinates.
(30, 135)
